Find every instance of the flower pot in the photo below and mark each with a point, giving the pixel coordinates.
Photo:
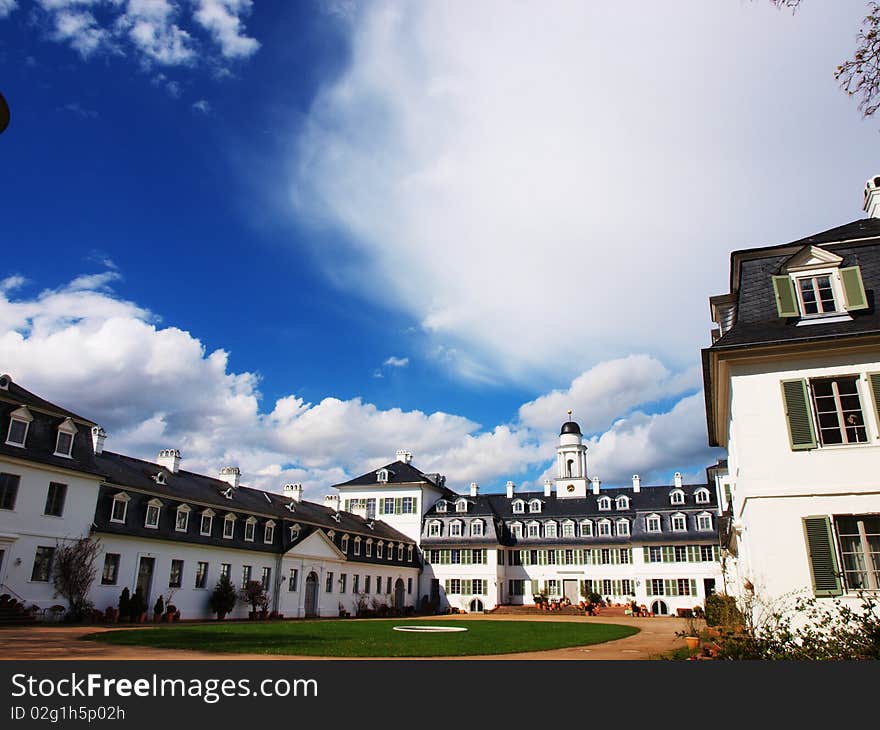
(693, 642)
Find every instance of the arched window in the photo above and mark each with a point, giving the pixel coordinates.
(357, 545)
(382, 475)
(518, 506)
(516, 529)
(701, 496)
(622, 502)
(461, 505)
(380, 549)
(369, 547)
(676, 496)
(343, 544)
(441, 505)
(569, 465)
(400, 551)
(535, 505)
(269, 532)
(604, 503)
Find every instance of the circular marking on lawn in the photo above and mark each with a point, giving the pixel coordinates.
(429, 629)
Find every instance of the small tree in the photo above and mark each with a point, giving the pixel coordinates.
(125, 604)
(159, 608)
(223, 598)
(138, 605)
(254, 594)
(73, 574)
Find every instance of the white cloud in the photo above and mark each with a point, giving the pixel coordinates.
(202, 105)
(6, 7)
(397, 362)
(222, 18)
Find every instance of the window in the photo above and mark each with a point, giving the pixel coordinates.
(295, 530)
(678, 523)
(369, 547)
(8, 490)
(586, 528)
(400, 551)
(181, 520)
(534, 529)
(434, 529)
(119, 509)
(453, 586)
(228, 526)
(201, 575)
(328, 583)
(387, 505)
(409, 505)
(622, 527)
(269, 532)
(701, 496)
(461, 505)
(518, 506)
(355, 584)
(382, 475)
(516, 530)
(838, 411)
(815, 295)
(824, 290)
(367, 579)
(249, 527)
(357, 546)
(676, 496)
(441, 506)
(622, 502)
(154, 507)
(652, 523)
(64, 441)
(343, 579)
(246, 571)
(266, 578)
(292, 580)
(657, 587)
(477, 528)
(604, 528)
(860, 551)
(455, 528)
(707, 553)
(604, 503)
(225, 570)
(371, 508)
(549, 529)
(380, 549)
(343, 544)
(409, 553)
(655, 554)
(535, 505)
(19, 422)
(42, 564)
(568, 528)
(704, 521)
(391, 551)
(680, 553)
(110, 574)
(207, 522)
(409, 586)
(175, 577)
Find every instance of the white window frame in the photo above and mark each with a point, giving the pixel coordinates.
(456, 528)
(864, 412)
(435, 528)
(209, 513)
(622, 502)
(604, 503)
(69, 429)
(369, 551)
(833, 274)
(567, 528)
(674, 518)
(534, 506)
(550, 529)
(20, 415)
(603, 528)
(621, 523)
(125, 499)
(441, 506)
(250, 529)
(651, 520)
(586, 528)
(229, 520)
(357, 545)
(380, 549)
(676, 496)
(409, 553)
(533, 529)
(269, 532)
(343, 544)
(461, 505)
(702, 496)
(382, 476)
(477, 528)
(704, 521)
(519, 507)
(400, 551)
(390, 552)
(516, 530)
(185, 510)
(153, 504)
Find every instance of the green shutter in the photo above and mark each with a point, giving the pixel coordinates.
(823, 561)
(534, 587)
(853, 288)
(801, 434)
(398, 505)
(693, 587)
(874, 382)
(786, 302)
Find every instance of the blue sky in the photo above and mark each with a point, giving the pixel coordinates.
(300, 236)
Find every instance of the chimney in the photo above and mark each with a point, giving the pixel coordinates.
(332, 501)
(548, 487)
(677, 478)
(231, 475)
(404, 456)
(475, 489)
(294, 492)
(637, 483)
(510, 486)
(98, 437)
(169, 459)
(872, 197)
(595, 481)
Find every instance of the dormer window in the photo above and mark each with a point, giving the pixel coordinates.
(295, 530)
(19, 423)
(181, 521)
(120, 508)
(535, 505)
(704, 521)
(534, 529)
(154, 506)
(568, 528)
(332, 535)
(678, 522)
(382, 476)
(604, 528)
(455, 528)
(441, 505)
(623, 528)
(269, 532)
(586, 528)
(409, 553)
(229, 526)
(64, 440)
(357, 546)
(516, 530)
(207, 522)
(250, 526)
(701, 496)
(391, 551)
(652, 523)
(518, 507)
(812, 285)
(343, 544)
(370, 547)
(400, 551)
(461, 505)
(676, 496)
(549, 529)
(604, 503)
(434, 528)
(622, 502)
(380, 549)
(477, 528)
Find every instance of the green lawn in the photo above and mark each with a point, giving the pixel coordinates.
(368, 638)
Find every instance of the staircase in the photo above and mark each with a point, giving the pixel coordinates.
(13, 612)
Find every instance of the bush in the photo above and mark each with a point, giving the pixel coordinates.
(223, 598)
(254, 594)
(137, 605)
(73, 572)
(159, 607)
(125, 605)
(722, 610)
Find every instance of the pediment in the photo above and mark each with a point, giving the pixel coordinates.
(811, 257)
(317, 545)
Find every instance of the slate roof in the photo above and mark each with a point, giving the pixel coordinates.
(399, 472)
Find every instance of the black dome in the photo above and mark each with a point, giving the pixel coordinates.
(570, 427)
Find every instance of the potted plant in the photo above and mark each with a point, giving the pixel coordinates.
(264, 606)
(158, 609)
(254, 594)
(170, 610)
(223, 598)
(138, 607)
(124, 612)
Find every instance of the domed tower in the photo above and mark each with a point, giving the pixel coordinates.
(571, 461)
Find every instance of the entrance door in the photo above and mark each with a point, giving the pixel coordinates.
(659, 608)
(476, 606)
(311, 606)
(145, 578)
(399, 599)
(708, 586)
(570, 590)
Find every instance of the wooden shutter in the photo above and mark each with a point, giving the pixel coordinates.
(786, 301)
(801, 434)
(853, 288)
(823, 561)
(874, 383)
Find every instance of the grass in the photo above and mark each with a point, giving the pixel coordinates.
(368, 638)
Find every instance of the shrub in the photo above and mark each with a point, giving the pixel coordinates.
(124, 605)
(223, 598)
(254, 594)
(721, 610)
(159, 607)
(137, 605)
(73, 573)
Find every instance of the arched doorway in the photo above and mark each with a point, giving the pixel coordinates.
(399, 594)
(476, 606)
(311, 605)
(658, 608)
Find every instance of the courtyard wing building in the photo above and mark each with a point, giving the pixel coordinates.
(792, 387)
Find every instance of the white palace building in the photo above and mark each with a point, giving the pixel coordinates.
(394, 536)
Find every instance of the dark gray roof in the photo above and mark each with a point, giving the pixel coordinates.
(399, 473)
(20, 396)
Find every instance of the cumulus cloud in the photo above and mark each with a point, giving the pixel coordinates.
(222, 18)
(6, 7)
(397, 362)
(202, 105)
(153, 386)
